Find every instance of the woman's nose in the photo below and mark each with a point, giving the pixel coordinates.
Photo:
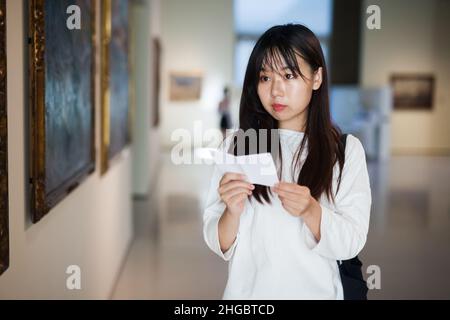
(277, 89)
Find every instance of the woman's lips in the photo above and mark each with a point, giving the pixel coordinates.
(278, 107)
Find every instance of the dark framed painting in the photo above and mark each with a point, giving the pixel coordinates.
(62, 101)
(156, 43)
(4, 204)
(412, 91)
(115, 74)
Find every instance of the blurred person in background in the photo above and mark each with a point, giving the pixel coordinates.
(224, 111)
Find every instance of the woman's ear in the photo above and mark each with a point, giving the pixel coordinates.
(317, 80)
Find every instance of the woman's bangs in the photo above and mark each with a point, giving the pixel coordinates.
(277, 58)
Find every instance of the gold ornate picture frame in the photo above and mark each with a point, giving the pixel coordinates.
(62, 101)
(4, 203)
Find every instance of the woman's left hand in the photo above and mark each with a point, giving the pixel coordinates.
(296, 199)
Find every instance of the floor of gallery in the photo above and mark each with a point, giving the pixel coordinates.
(409, 236)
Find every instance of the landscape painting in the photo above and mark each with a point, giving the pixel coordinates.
(185, 86)
(413, 91)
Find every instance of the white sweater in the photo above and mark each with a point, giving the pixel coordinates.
(275, 255)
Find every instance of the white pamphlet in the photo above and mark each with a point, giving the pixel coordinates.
(258, 168)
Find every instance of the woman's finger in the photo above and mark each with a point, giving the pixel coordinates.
(229, 194)
(298, 207)
(235, 184)
(293, 204)
(289, 195)
(290, 187)
(229, 176)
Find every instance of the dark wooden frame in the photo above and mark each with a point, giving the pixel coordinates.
(41, 203)
(4, 203)
(156, 80)
(403, 103)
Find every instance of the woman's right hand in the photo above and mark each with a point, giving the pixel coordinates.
(234, 190)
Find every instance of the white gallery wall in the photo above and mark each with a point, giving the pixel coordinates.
(413, 39)
(145, 26)
(197, 35)
(91, 227)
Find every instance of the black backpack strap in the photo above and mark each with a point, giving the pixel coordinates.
(344, 142)
(353, 283)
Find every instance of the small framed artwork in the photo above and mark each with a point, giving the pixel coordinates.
(62, 101)
(185, 86)
(412, 91)
(4, 233)
(115, 83)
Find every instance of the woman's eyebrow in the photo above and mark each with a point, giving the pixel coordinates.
(284, 68)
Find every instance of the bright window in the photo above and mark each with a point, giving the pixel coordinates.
(253, 17)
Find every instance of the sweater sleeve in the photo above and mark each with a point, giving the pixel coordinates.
(214, 209)
(344, 231)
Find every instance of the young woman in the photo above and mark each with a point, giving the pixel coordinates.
(283, 242)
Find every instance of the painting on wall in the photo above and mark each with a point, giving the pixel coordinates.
(4, 224)
(412, 91)
(156, 80)
(62, 71)
(115, 80)
(185, 86)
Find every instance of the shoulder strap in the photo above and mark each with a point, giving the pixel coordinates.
(344, 142)
(344, 139)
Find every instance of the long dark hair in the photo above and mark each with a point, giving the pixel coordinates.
(324, 147)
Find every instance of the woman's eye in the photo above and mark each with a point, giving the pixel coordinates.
(264, 78)
(289, 76)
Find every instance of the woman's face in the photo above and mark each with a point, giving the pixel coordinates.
(286, 96)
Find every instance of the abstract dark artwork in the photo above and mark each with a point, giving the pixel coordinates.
(413, 91)
(4, 234)
(62, 73)
(115, 80)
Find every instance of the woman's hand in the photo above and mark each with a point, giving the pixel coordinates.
(297, 200)
(234, 190)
